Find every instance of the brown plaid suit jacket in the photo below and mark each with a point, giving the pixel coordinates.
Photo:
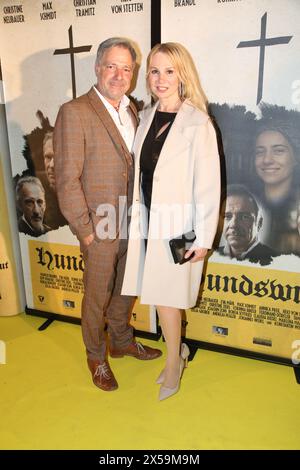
(91, 161)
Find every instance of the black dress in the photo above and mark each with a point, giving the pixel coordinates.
(151, 149)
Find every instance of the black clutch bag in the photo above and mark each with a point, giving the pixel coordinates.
(180, 245)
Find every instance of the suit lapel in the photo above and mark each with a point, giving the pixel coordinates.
(109, 124)
(135, 114)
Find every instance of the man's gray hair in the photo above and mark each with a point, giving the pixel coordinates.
(113, 42)
(28, 180)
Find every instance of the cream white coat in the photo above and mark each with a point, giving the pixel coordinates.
(186, 182)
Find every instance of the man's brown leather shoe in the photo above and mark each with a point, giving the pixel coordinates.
(138, 350)
(102, 375)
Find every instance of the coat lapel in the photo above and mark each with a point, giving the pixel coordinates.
(176, 142)
(143, 129)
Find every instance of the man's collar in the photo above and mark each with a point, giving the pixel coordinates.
(124, 103)
(228, 252)
(27, 223)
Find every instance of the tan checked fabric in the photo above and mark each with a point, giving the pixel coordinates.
(93, 167)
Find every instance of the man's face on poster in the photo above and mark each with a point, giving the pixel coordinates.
(49, 162)
(298, 217)
(32, 204)
(240, 223)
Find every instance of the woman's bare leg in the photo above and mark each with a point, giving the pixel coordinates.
(170, 321)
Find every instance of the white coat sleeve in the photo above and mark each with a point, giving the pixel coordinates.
(206, 186)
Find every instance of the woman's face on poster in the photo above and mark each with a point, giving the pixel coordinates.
(274, 158)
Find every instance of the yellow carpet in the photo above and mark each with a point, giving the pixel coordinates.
(48, 400)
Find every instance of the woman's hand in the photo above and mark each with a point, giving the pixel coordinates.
(199, 254)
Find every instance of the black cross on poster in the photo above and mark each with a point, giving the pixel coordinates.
(72, 51)
(262, 42)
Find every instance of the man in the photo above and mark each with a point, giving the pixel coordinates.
(297, 237)
(93, 138)
(48, 155)
(242, 223)
(53, 215)
(30, 196)
(298, 217)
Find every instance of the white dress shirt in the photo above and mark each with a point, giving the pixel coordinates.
(123, 118)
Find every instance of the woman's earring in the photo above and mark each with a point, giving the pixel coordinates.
(181, 90)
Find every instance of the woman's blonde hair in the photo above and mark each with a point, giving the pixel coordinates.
(189, 87)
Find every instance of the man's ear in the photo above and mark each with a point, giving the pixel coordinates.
(96, 68)
(18, 205)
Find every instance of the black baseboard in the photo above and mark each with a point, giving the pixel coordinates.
(194, 345)
(240, 352)
(50, 317)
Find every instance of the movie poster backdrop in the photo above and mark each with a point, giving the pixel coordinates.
(247, 54)
(12, 297)
(48, 52)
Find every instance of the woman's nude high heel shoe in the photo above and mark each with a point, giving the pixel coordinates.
(166, 392)
(160, 379)
(184, 353)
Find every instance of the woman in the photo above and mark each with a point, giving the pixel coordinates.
(177, 179)
(277, 166)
